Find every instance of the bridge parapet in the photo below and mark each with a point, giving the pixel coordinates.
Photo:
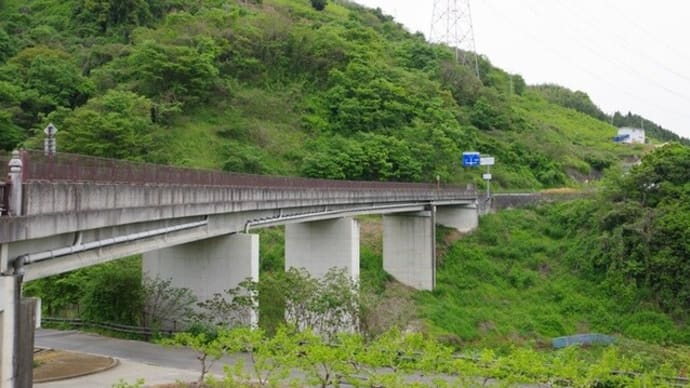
(41, 198)
(75, 183)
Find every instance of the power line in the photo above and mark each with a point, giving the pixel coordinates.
(622, 39)
(619, 62)
(572, 61)
(647, 32)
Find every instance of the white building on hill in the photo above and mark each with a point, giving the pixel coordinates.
(629, 135)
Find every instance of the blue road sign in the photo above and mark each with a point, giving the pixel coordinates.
(470, 159)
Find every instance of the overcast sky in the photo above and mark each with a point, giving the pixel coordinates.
(627, 55)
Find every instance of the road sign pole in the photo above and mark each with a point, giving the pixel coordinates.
(488, 182)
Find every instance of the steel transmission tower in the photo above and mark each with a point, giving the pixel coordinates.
(451, 23)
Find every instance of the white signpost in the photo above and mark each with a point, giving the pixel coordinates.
(487, 161)
(49, 144)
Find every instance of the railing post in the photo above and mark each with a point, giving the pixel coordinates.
(14, 205)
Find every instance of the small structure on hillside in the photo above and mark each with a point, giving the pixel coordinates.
(628, 135)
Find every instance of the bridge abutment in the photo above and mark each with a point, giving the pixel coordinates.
(409, 248)
(209, 266)
(321, 245)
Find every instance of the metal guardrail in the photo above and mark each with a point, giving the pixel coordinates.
(80, 168)
(4, 185)
(116, 327)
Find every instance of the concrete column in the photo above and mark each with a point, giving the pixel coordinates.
(409, 249)
(464, 218)
(8, 330)
(208, 266)
(321, 245)
(14, 206)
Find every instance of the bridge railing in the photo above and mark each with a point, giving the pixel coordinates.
(4, 160)
(4, 185)
(4, 197)
(80, 168)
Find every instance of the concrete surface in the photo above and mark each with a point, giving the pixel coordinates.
(156, 364)
(127, 371)
(207, 267)
(322, 245)
(409, 249)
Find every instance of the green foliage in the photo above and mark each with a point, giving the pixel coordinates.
(319, 5)
(241, 86)
(375, 157)
(577, 100)
(45, 80)
(644, 229)
(530, 275)
(99, 16)
(172, 73)
(488, 113)
(206, 341)
(113, 293)
(164, 304)
(246, 159)
(60, 294)
(461, 81)
(139, 383)
(116, 125)
(397, 359)
(6, 45)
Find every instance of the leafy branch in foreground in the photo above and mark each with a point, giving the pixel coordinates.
(399, 359)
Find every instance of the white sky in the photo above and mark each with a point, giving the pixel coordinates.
(627, 55)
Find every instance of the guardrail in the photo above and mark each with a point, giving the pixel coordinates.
(81, 168)
(146, 332)
(4, 161)
(4, 185)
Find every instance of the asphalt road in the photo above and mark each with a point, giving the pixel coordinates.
(154, 363)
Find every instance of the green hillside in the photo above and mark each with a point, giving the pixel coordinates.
(278, 87)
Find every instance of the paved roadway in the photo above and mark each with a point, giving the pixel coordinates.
(156, 364)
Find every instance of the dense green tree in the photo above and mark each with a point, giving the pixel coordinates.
(113, 293)
(490, 113)
(418, 55)
(102, 16)
(116, 125)
(460, 80)
(171, 73)
(6, 46)
(645, 230)
(319, 5)
(47, 79)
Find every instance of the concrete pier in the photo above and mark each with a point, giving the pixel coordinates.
(409, 248)
(321, 245)
(207, 266)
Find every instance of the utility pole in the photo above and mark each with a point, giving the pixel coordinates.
(451, 23)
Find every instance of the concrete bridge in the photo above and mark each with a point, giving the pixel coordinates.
(65, 212)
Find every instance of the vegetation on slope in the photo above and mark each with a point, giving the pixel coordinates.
(615, 264)
(280, 87)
